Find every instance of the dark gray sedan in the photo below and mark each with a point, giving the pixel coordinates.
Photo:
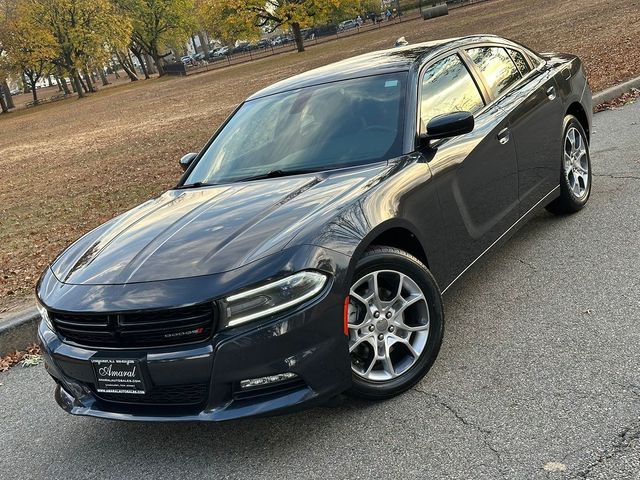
(306, 248)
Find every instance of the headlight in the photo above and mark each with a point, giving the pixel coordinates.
(44, 314)
(271, 298)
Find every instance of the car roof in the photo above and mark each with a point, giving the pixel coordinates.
(392, 60)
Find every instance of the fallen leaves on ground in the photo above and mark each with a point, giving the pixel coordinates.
(629, 97)
(27, 358)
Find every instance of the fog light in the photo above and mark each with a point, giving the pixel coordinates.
(264, 381)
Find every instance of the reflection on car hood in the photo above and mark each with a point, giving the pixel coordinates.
(185, 233)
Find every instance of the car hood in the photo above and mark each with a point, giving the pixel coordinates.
(186, 233)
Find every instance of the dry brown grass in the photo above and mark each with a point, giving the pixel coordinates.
(71, 165)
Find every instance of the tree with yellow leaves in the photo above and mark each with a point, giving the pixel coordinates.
(250, 17)
(30, 48)
(84, 31)
(157, 23)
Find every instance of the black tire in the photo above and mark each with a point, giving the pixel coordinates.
(382, 258)
(568, 202)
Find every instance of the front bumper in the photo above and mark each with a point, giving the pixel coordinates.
(290, 344)
(308, 342)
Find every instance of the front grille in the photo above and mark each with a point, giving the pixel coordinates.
(193, 394)
(156, 328)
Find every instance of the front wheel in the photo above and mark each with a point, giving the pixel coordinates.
(575, 175)
(396, 323)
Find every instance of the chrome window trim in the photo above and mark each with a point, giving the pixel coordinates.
(483, 88)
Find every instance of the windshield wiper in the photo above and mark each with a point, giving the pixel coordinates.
(194, 185)
(276, 174)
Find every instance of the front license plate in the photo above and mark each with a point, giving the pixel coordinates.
(118, 376)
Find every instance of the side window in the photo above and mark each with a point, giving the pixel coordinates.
(447, 86)
(520, 61)
(497, 68)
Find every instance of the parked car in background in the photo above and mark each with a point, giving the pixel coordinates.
(241, 47)
(263, 43)
(281, 40)
(15, 91)
(187, 60)
(306, 248)
(347, 25)
(222, 51)
(307, 33)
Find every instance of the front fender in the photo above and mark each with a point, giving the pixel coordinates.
(405, 199)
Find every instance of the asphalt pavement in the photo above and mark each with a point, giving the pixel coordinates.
(538, 376)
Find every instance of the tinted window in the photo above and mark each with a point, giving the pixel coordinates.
(448, 87)
(496, 67)
(345, 123)
(520, 61)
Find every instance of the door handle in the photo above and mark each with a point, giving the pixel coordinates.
(504, 136)
(551, 93)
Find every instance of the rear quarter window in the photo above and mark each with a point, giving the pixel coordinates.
(496, 67)
(520, 60)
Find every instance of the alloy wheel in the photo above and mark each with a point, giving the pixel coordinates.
(576, 163)
(388, 325)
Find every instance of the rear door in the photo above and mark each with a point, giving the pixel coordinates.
(535, 119)
(476, 173)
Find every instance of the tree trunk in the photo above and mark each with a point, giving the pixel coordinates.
(297, 34)
(204, 43)
(49, 81)
(87, 78)
(81, 82)
(63, 84)
(130, 60)
(114, 67)
(148, 61)
(138, 55)
(34, 92)
(3, 104)
(78, 84)
(103, 77)
(157, 59)
(127, 69)
(58, 84)
(7, 92)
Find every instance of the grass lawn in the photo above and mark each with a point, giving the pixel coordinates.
(71, 165)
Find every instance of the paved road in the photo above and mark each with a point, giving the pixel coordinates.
(538, 375)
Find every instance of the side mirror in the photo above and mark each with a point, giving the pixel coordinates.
(186, 160)
(448, 125)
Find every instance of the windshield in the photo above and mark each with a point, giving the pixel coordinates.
(345, 123)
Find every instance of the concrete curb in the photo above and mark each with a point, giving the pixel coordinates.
(18, 331)
(615, 91)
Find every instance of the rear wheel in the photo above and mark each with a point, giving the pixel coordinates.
(575, 175)
(396, 323)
